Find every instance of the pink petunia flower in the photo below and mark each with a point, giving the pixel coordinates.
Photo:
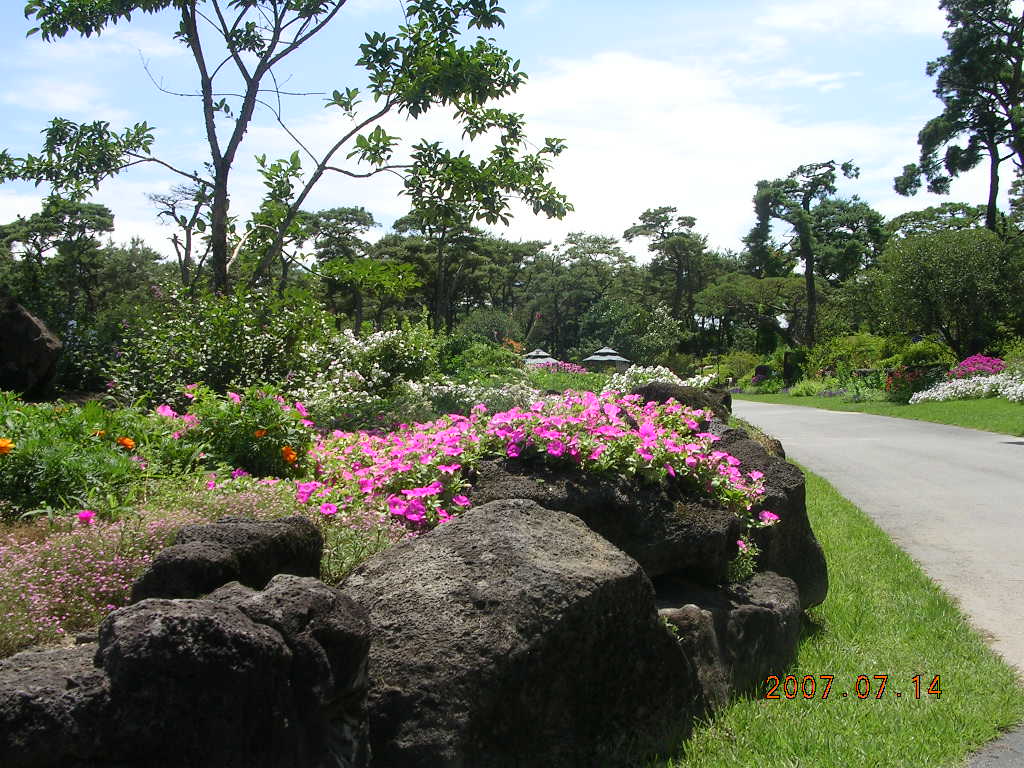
(328, 509)
(86, 516)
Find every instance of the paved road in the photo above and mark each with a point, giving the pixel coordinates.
(952, 498)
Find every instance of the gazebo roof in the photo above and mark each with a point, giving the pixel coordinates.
(605, 355)
(538, 357)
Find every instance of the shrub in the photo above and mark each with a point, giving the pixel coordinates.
(64, 457)
(859, 350)
(349, 382)
(977, 365)
(224, 342)
(257, 431)
(482, 359)
(559, 377)
(737, 364)
(636, 376)
(903, 382)
(921, 354)
(811, 387)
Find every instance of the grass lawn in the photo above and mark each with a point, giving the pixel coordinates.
(883, 616)
(992, 414)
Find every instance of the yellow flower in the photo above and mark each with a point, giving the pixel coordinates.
(126, 442)
(6, 445)
(288, 454)
(99, 432)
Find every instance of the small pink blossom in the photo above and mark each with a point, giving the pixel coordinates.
(741, 544)
(235, 397)
(87, 516)
(767, 517)
(328, 509)
(460, 501)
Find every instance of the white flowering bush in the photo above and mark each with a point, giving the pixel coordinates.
(438, 395)
(1008, 385)
(233, 341)
(347, 381)
(636, 376)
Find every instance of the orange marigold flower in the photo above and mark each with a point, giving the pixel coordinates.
(6, 445)
(288, 454)
(126, 442)
(260, 433)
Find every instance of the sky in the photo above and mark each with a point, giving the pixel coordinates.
(682, 103)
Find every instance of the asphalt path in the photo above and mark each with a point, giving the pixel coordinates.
(951, 498)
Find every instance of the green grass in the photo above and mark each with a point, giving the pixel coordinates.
(883, 616)
(992, 414)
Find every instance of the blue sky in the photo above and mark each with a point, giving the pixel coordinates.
(681, 103)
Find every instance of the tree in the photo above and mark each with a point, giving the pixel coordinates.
(849, 235)
(957, 283)
(236, 44)
(760, 302)
(681, 255)
(790, 200)
(980, 82)
(55, 257)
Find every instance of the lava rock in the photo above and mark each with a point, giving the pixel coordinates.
(717, 401)
(661, 528)
(737, 635)
(205, 557)
(28, 350)
(789, 547)
(514, 636)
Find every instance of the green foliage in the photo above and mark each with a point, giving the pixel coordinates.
(859, 350)
(736, 364)
(811, 387)
(66, 457)
(481, 360)
(548, 380)
(956, 283)
(237, 340)
(922, 354)
(256, 430)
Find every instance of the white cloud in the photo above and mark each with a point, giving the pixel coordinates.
(798, 78)
(917, 17)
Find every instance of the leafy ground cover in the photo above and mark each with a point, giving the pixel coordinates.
(886, 619)
(989, 414)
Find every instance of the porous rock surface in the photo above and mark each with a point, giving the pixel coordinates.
(203, 557)
(28, 350)
(660, 527)
(737, 635)
(272, 679)
(515, 636)
(715, 400)
(789, 547)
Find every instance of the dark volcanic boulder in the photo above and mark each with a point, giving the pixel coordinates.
(204, 557)
(329, 637)
(717, 401)
(663, 531)
(789, 547)
(28, 350)
(273, 679)
(515, 636)
(194, 682)
(736, 636)
(54, 704)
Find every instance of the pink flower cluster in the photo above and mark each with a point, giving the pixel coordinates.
(977, 365)
(413, 475)
(561, 367)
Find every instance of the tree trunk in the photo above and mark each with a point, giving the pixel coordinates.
(991, 208)
(219, 232)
